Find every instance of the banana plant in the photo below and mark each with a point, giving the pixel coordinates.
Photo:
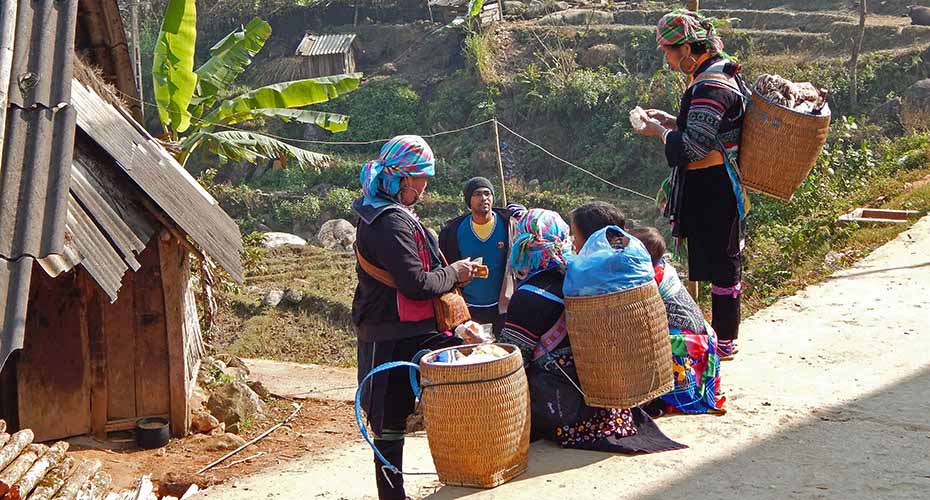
(193, 108)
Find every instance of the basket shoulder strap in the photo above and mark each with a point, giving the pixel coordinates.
(374, 271)
(716, 76)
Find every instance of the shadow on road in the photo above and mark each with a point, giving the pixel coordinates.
(837, 277)
(877, 446)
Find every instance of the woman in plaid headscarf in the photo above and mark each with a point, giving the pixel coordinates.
(394, 316)
(703, 196)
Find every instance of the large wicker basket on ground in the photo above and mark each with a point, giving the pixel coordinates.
(477, 418)
(778, 147)
(621, 347)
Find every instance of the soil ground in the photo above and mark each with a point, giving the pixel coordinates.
(828, 398)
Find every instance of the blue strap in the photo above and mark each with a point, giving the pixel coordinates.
(543, 293)
(358, 403)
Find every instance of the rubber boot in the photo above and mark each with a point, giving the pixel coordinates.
(390, 485)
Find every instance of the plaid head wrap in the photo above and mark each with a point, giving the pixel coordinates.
(683, 26)
(542, 242)
(402, 156)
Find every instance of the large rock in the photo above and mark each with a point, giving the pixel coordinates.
(577, 17)
(888, 117)
(220, 442)
(276, 240)
(600, 55)
(203, 423)
(273, 298)
(915, 106)
(920, 16)
(537, 8)
(234, 403)
(514, 8)
(293, 297)
(337, 234)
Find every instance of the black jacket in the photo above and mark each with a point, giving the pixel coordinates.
(386, 238)
(449, 244)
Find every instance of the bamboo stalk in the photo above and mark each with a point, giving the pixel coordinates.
(53, 481)
(31, 478)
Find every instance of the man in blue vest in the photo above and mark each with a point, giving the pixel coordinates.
(484, 232)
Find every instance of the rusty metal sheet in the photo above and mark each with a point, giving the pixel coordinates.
(34, 180)
(322, 45)
(14, 297)
(102, 261)
(155, 172)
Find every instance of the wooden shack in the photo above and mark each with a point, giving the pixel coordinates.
(325, 55)
(101, 227)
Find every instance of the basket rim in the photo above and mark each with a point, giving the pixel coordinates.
(756, 93)
(427, 358)
(602, 295)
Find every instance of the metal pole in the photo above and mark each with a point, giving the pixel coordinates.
(500, 163)
(7, 35)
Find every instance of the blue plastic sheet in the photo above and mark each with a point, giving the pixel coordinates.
(599, 269)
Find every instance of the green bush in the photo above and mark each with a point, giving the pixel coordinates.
(304, 210)
(382, 108)
(337, 203)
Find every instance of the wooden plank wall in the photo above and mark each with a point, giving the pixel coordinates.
(151, 370)
(53, 372)
(175, 269)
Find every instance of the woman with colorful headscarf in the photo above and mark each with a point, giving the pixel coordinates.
(400, 270)
(536, 324)
(703, 196)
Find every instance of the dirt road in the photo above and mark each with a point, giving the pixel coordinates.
(829, 398)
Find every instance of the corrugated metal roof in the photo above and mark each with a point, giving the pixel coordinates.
(322, 45)
(38, 138)
(160, 176)
(43, 52)
(102, 261)
(14, 296)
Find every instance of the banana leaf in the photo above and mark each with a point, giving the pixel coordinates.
(173, 65)
(249, 146)
(295, 94)
(228, 59)
(328, 121)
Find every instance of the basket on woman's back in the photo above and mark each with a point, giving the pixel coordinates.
(616, 322)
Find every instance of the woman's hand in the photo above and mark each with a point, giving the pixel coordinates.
(664, 119)
(652, 129)
(464, 270)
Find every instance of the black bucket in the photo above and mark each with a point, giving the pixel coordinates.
(152, 432)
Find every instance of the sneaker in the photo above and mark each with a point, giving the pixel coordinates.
(727, 349)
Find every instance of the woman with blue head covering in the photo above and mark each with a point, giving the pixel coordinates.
(400, 272)
(536, 324)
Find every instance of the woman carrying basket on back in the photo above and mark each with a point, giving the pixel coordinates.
(536, 324)
(703, 197)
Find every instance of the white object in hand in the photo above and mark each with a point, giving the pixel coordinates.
(638, 118)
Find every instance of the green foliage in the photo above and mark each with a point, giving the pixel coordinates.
(173, 64)
(480, 53)
(337, 203)
(183, 102)
(303, 210)
(383, 107)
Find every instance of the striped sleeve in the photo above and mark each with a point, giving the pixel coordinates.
(706, 109)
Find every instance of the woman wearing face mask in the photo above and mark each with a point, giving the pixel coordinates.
(704, 199)
(395, 322)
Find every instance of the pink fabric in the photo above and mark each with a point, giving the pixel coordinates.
(551, 339)
(734, 291)
(416, 310)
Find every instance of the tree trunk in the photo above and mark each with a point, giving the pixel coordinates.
(96, 487)
(17, 443)
(21, 465)
(31, 478)
(854, 61)
(53, 481)
(81, 475)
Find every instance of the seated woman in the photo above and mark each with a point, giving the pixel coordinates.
(536, 324)
(694, 343)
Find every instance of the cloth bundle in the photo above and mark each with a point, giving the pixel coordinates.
(602, 266)
(801, 97)
(480, 354)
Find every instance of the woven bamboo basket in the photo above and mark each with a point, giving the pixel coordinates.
(477, 418)
(620, 343)
(779, 146)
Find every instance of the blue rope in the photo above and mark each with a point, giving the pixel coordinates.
(414, 386)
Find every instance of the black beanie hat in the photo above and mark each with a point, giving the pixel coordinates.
(474, 184)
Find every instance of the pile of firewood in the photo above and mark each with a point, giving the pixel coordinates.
(30, 471)
(144, 490)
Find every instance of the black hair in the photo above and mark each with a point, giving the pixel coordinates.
(590, 217)
(698, 48)
(652, 239)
